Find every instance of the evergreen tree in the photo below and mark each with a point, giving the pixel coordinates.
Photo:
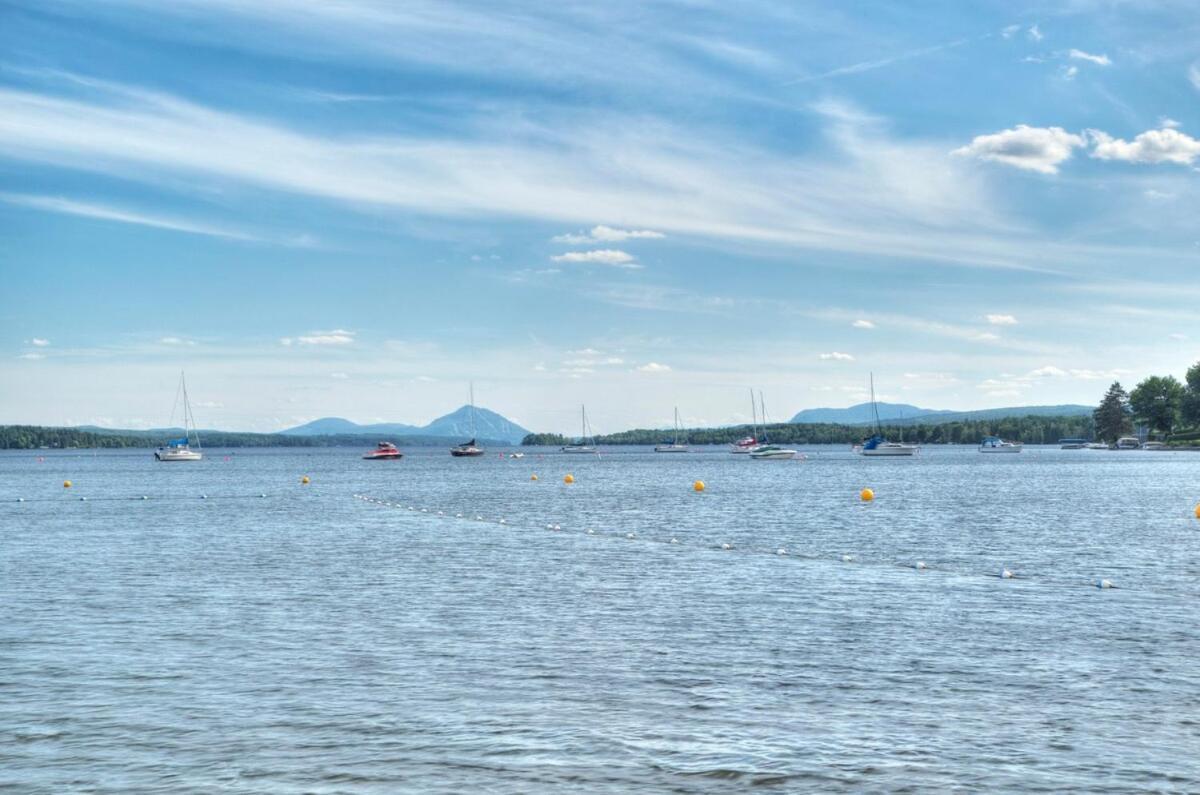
(1112, 416)
(1156, 402)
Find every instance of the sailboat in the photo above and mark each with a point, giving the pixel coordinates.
(744, 446)
(180, 449)
(469, 449)
(674, 446)
(767, 451)
(877, 445)
(585, 444)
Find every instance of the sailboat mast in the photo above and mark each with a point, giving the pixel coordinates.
(474, 432)
(875, 407)
(676, 440)
(187, 411)
(763, 406)
(754, 415)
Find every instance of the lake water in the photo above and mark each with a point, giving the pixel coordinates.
(312, 640)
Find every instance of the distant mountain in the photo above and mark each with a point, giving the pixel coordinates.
(864, 413)
(904, 414)
(488, 425)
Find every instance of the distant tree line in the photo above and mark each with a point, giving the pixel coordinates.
(1161, 404)
(32, 437)
(1031, 430)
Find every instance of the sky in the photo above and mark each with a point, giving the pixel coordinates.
(355, 209)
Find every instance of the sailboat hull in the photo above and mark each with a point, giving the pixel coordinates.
(177, 455)
(671, 448)
(889, 451)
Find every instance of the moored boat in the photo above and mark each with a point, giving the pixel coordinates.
(1072, 444)
(180, 449)
(384, 451)
(585, 443)
(994, 444)
(1128, 443)
(878, 445)
(771, 452)
(469, 449)
(674, 446)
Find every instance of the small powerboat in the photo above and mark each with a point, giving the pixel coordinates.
(383, 451)
(994, 444)
(770, 452)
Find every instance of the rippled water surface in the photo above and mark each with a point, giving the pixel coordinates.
(314, 640)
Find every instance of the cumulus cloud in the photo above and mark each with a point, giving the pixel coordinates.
(1034, 33)
(335, 337)
(863, 324)
(1049, 371)
(1167, 145)
(654, 367)
(1038, 149)
(1009, 31)
(38, 342)
(836, 356)
(1002, 320)
(1080, 55)
(601, 256)
(607, 234)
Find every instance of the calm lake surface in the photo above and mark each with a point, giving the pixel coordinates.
(311, 640)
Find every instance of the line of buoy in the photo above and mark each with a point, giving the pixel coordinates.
(918, 565)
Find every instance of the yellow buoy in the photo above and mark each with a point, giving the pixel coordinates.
(533, 477)
(867, 495)
(66, 484)
(304, 480)
(569, 478)
(698, 485)
(1198, 510)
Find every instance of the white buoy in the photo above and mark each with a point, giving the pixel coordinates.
(630, 535)
(591, 532)
(458, 516)
(1104, 584)
(920, 565)
(1005, 574)
(549, 527)
(558, 527)
(441, 514)
(262, 496)
(424, 510)
(674, 540)
(204, 496)
(479, 518)
(727, 546)
(83, 499)
(22, 499)
(847, 558)
(781, 551)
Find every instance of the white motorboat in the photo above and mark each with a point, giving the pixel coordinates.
(674, 446)
(1154, 445)
(1128, 443)
(771, 452)
(1096, 446)
(180, 449)
(1072, 444)
(994, 444)
(877, 445)
(585, 444)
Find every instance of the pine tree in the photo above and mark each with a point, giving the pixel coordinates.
(1113, 415)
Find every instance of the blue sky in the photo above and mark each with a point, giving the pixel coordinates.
(353, 209)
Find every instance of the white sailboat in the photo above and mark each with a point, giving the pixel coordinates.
(180, 449)
(767, 451)
(747, 445)
(877, 445)
(585, 444)
(469, 449)
(674, 446)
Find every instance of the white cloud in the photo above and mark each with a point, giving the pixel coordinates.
(585, 352)
(1049, 371)
(606, 362)
(654, 367)
(863, 324)
(1168, 122)
(106, 213)
(1177, 336)
(38, 342)
(339, 376)
(601, 256)
(1069, 72)
(1034, 33)
(1009, 31)
(208, 404)
(335, 337)
(1080, 55)
(31, 356)
(176, 341)
(1038, 149)
(836, 356)
(985, 336)
(1157, 195)
(1194, 75)
(607, 234)
(1167, 145)
(1002, 320)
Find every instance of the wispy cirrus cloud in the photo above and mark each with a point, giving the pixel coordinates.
(103, 212)
(333, 337)
(1080, 55)
(1001, 320)
(836, 356)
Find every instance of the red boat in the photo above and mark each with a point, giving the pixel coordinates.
(383, 451)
